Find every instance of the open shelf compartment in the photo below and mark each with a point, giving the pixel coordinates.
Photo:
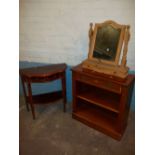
(98, 97)
(96, 117)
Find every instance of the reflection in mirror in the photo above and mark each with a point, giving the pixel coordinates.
(106, 43)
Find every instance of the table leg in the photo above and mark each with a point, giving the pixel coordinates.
(23, 85)
(64, 89)
(30, 99)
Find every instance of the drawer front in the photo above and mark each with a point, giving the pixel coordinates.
(108, 85)
(45, 79)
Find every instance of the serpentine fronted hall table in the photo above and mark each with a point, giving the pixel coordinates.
(43, 74)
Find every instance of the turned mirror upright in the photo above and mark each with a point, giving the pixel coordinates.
(108, 44)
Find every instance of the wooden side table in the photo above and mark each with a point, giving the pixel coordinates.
(40, 75)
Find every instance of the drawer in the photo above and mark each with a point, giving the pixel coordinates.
(45, 79)
(108, 85)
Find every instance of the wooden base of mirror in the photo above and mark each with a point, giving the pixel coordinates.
(118, 72)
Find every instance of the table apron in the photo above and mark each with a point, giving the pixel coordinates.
(43, 79)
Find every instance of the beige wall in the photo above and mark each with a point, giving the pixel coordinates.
(56, 31)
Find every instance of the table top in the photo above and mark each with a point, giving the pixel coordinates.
(43, 71)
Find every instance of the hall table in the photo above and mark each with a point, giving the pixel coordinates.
(43, 74)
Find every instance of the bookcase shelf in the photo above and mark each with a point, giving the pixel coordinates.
(99, 97)
(101, 102)
(97, 117)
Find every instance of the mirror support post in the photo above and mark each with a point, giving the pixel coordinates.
(126, 40)
(90, 36)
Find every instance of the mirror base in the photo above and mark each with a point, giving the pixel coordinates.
(117, 72)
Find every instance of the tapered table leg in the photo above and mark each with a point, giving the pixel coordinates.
(30, 99)
(64, 89)
(23, 85)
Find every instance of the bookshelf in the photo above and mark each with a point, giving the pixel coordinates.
(101, 102)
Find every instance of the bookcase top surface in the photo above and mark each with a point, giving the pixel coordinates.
(130, 78)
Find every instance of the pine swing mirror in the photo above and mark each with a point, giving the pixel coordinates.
(108, 44)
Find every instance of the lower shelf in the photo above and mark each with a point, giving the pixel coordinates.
(45, 98)
(99, 120)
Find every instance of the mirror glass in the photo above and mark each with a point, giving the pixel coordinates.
(106, 43)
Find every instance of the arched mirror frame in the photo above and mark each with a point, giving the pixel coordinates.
(122, 42)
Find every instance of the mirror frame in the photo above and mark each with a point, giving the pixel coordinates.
(92, 37)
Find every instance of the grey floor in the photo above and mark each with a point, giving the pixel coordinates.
(56, 133)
